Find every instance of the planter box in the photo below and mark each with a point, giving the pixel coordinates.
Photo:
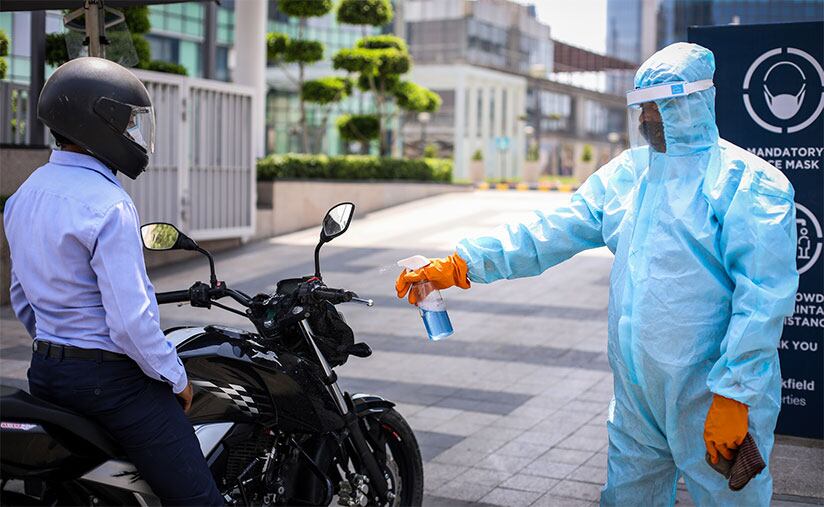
(532, 168)
(288, 206)
(477, 171)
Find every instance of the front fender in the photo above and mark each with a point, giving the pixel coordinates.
(365, 404)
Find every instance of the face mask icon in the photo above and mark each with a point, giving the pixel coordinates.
(784, 106)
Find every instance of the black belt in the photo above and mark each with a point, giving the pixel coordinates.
(57, 351)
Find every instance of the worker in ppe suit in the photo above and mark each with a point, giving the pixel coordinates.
(704, 239)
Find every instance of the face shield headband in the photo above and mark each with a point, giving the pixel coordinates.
(666, 91)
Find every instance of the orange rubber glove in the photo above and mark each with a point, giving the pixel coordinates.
(443, 273)
(725, 428)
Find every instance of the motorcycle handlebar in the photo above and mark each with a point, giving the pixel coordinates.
(334, 296)
(175, 296)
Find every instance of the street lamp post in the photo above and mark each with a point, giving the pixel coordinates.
(423, 119)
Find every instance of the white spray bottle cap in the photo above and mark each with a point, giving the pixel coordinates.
(414, 262)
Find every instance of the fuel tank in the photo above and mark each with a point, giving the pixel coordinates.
(237, 379)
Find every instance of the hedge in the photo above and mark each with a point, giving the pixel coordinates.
(353, 167)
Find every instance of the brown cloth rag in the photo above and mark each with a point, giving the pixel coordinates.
(746, 463)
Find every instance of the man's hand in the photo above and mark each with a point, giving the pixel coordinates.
(725, 427)
(184, 397)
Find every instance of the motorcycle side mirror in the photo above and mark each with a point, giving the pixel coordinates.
(163, 236)
(160, 236)
(335, 223)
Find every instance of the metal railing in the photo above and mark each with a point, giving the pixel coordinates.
(202, 174)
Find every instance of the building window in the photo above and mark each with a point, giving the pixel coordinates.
(166, 49)
(184, 19)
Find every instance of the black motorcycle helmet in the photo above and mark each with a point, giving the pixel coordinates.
(103, 108)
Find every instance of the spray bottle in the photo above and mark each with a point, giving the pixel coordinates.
(430, 303)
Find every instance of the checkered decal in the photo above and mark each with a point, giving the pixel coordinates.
(237, 394)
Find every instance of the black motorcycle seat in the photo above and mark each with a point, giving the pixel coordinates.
(19, 406)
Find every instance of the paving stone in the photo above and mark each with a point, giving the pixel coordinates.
(460, 426)
(549, 469)
(459, 457)
(599, 460)
(550, 500)
(497, 433)
(468, 491)
(476, 444)
(510, 497)
(582, 443)
(528, 482)
(570, 456)
(441, 413)
(523, 449)
(595, 475)
(498, 461)
(484, 476)
(580, 490)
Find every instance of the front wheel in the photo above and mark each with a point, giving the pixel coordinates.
(398, 453)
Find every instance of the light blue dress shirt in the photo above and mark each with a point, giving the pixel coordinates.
(77, 273)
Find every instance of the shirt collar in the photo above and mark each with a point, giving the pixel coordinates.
(82, 160)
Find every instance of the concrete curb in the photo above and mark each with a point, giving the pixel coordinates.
(523, 187)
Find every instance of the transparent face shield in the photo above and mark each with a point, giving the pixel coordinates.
(141, 127)
(644, 120)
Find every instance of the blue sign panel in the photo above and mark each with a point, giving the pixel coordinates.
(770, 99)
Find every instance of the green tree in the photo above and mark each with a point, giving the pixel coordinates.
(283, 50)
(4, 51)
(325, 92)
(379, 61)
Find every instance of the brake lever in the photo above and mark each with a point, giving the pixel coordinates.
(367, 302)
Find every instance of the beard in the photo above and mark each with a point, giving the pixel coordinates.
(653, 132)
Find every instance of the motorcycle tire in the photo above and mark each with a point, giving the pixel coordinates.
(407, 456)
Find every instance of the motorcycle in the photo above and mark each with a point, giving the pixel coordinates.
(273, 424)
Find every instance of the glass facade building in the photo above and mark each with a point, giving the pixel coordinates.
(670, 19)
(178, 35)
(674, 16)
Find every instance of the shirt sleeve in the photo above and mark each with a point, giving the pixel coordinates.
(758, 243)
(128, 298)
(531, 247)
(20, 304)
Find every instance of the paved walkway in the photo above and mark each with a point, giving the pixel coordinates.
(511, 409)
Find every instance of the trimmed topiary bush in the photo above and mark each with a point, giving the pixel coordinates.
(359, 127)
(326, 90)
(365, 12)
(304, 8)
(167, 67)
(353, 167)
(303, 51)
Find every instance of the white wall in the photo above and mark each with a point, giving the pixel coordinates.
(475, 128)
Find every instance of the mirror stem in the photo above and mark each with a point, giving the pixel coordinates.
(317, 258)
(212, 274)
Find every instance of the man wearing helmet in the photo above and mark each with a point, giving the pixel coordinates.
(79, 283)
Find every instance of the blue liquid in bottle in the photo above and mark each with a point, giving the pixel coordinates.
(437, 324)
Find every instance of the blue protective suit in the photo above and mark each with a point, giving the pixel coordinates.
(704, 238)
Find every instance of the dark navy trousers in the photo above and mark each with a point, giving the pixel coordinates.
(143, 416)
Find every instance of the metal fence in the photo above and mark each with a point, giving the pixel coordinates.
(14, 111)
(202, 174)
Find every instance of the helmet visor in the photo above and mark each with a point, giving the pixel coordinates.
(141, 127)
